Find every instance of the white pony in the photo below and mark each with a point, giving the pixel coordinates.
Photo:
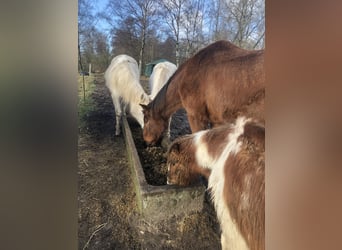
(160, 75)
(122, 80)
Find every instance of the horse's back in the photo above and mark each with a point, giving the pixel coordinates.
(123, 70)
(221, 52)
(224, 81)
(160, 75)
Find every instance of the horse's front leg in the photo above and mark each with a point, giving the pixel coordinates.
(197, 123)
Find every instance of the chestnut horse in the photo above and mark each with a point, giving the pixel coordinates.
(219, 83)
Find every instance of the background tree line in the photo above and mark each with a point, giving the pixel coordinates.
(172, 29)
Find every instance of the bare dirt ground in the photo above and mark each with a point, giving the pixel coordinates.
(107, 214)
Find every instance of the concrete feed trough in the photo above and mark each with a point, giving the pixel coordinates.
(160, 202)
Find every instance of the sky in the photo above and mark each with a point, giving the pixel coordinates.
(100, 5)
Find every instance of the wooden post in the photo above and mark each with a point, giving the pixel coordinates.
(81, 67)
(89, 69)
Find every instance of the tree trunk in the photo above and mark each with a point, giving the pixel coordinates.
(81, 67)
(142, 48)
(217, 21)
(177, 53)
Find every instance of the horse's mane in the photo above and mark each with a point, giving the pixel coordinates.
(158, 103)
(202, 58)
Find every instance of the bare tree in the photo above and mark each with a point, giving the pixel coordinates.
(246, 19)
(86, 18)
(85, 29)
(188, 24)
(172, 12)
(216, 14)
(102, 51)
(240, 21)
(167, 49)
(142, 13)
(125, 39)
(193, 25)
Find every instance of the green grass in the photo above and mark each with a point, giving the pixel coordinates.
(85, 102)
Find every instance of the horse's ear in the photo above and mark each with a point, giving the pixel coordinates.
(175, 147)
(145, 108)
(145, 99)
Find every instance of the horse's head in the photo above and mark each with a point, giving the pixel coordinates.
(180, 163)
(154, 126)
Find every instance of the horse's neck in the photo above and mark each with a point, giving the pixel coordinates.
(172, 101)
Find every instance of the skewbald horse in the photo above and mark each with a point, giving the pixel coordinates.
(215, 86)
(232, 158)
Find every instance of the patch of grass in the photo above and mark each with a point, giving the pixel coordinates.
(85, 102)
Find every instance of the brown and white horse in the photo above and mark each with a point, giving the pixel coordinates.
(232, 157)
(219, 83)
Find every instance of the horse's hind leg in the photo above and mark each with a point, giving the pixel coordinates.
(118, 113)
